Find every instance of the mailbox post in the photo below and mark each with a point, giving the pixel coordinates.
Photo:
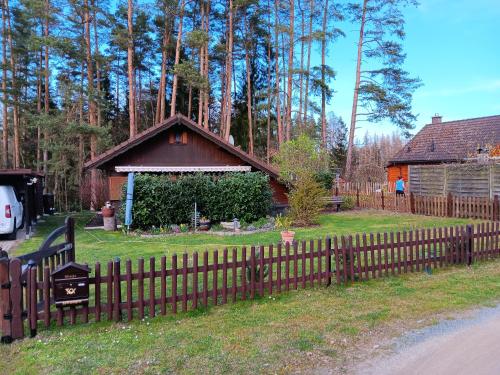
(71, 285)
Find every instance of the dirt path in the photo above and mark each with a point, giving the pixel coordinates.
(10, 245)
(469, 345)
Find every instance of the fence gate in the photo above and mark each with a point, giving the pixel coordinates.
(19, 298)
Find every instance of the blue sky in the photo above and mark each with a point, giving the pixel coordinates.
(452, 45)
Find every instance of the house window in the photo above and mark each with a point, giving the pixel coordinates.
(178, 137)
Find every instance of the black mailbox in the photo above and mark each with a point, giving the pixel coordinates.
(71, 284)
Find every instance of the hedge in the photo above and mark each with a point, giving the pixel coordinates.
(161, 200)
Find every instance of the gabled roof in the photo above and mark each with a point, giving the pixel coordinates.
(81, 267)
(165, 125)
(451, 141)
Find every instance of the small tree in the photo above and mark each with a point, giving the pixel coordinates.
(299, 162)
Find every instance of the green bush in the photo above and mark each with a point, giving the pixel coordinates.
(347, 204)
(325, 178)
(306, 201)
(160, 200)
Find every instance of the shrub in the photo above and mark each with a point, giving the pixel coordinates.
(303, 166)
(348, 203)
(246, 196)
(306, 201)
(325, 178)
(159, 200)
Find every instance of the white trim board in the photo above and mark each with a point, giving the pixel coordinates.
(227, 168)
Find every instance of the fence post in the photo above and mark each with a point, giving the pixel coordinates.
(449, 205)
(496, 208)
(117, 312)
(31, 304)
(328, 249)
(70, 237)
(357, 196)
(5, 302)
(16, 297)
(383, 202)
(470, 244)
(412, 202)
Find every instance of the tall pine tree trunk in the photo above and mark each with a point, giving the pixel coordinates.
(15, 104)
(5, 133)
(177, 58)
(229, 72)
(39, 111)
(160, 101)
(249, 87)
(323, 90)
(301, 76)
(268, 138)
(91, 103)
(97, 64)
(308, 64)
(290, 71)
(130, 70)
(277, 69)
(206, 95)
(354, 112)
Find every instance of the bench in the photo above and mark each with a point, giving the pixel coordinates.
(335, 200)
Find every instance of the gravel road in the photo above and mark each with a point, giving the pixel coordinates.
(469, 345)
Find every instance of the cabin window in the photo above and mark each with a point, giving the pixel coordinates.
(178, 138)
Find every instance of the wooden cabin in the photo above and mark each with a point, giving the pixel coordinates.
(446, 142)
(178, 146)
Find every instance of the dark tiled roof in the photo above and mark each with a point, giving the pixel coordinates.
(183, 120)
(450, 141)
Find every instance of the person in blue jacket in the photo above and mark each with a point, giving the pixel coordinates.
(400, 186)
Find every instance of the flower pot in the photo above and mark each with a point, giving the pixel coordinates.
(108, 211)
(204, 225)
(287, 236)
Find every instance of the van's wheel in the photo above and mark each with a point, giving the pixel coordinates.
(13, 235)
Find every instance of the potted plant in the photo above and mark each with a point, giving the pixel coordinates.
(108, 210)
(284, 223)
(204, 223)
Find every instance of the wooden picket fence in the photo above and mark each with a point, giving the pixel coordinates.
(200, 280)
(443, 206)
(21, 277)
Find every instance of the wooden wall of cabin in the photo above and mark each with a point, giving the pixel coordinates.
(177, 146)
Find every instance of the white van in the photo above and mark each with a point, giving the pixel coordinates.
(11, 211)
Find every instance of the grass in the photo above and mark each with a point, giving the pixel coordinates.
(290, 332)
(279, 334)
(97, 245)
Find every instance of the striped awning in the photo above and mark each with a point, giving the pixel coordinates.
(170, 169)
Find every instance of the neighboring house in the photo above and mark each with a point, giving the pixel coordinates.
(176, 146)
(447, 142)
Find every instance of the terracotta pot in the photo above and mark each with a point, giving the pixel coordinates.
(204, 225)
(287, 236)
(108, 212)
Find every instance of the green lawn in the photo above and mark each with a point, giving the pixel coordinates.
(283, 333)
(97, 245)
(294, 331)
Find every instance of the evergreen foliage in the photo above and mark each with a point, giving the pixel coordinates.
(160, 200)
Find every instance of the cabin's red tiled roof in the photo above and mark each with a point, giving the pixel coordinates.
(182, 120)
(450, 141)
